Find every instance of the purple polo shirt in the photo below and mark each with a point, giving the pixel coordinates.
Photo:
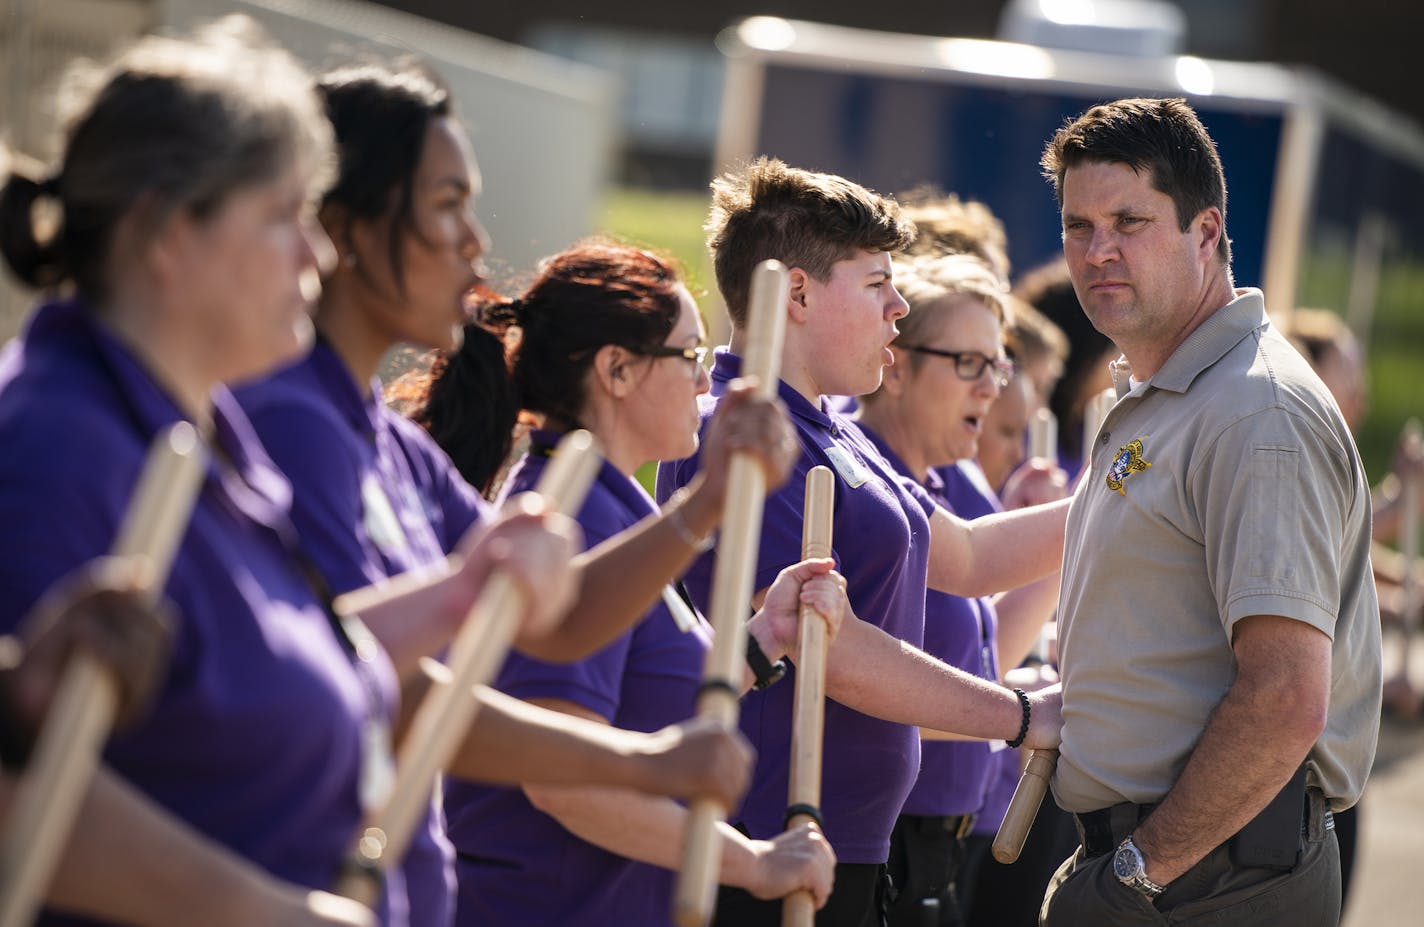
(954, 775)
(970, 497)
(375, 496)
(968, 490)
(255, 736)
(881, 544)
(517, 865)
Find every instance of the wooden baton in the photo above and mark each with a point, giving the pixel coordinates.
(1043, 436)
(1023, 807)
(1094, 412)
(441, 722)
(809, 708)
(1033, 784)
(732, 590)
(79, 719)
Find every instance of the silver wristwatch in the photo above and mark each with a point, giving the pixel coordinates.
(1130, 870)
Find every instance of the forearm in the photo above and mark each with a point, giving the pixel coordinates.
(1252, 744)
(512, 742)
(996, 552)
(413, 615)
(639, 827)
(623, 576)
(880, 675)
(1022, 613)
(131, 861)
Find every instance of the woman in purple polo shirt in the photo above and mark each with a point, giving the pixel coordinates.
(929, 412)
(184, 248)
(609, 339)
(375, 496)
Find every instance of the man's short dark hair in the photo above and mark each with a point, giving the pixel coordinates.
(1163, 137)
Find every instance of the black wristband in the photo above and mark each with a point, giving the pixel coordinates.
(810, 811)
(765, 671)
(1023, 728)
(718, 685)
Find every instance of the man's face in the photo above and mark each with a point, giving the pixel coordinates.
(1139, 277)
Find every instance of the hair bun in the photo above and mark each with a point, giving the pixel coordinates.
(36, 263)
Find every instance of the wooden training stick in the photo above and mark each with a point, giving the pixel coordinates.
(67, 751)
(1409, 549)
(1094, 412)
(732, 594)
(443, 718)
(1023, 807)
(1043, 445)
(1043, 436)
(1033, 784)
(809, 709)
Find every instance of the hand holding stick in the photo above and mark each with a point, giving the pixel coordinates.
(732, 594)
(443, 718)
(809, 708)
(82, 713)
(1023, 807)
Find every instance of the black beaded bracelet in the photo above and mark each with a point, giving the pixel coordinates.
(1023, 728)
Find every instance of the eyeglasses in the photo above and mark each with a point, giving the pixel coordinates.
(697, 355)
(970, 365)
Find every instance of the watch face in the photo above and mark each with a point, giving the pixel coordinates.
(1125, 863)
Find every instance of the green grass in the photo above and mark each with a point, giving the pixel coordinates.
(671, 223)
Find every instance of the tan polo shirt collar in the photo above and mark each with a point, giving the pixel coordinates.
(1221, 332)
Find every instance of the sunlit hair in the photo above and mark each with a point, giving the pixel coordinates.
(380, 115)
(945, 224)
(1164, 138)
(801, 218)
(931, 284)
(533, 354)
(170, 124)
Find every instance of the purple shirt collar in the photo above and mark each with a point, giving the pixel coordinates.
(727, 366)
(362, 410)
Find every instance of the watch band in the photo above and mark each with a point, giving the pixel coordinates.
(765, 671)
(1130, 869)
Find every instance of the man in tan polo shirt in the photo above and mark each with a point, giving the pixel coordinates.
(1219, 629)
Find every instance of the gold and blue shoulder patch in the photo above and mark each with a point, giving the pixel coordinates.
(1127, 462)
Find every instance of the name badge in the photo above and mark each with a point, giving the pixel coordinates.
(379, 516)
(849, 467)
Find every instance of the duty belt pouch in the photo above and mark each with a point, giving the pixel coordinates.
(1271, 840)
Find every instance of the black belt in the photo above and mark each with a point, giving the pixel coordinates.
(1096, 830)
(958, 825)
(1102, 830)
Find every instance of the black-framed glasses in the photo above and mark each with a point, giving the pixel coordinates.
(970, 365)
(697, 355)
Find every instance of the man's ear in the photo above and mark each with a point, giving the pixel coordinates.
(1210, 227)
(796, 295)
